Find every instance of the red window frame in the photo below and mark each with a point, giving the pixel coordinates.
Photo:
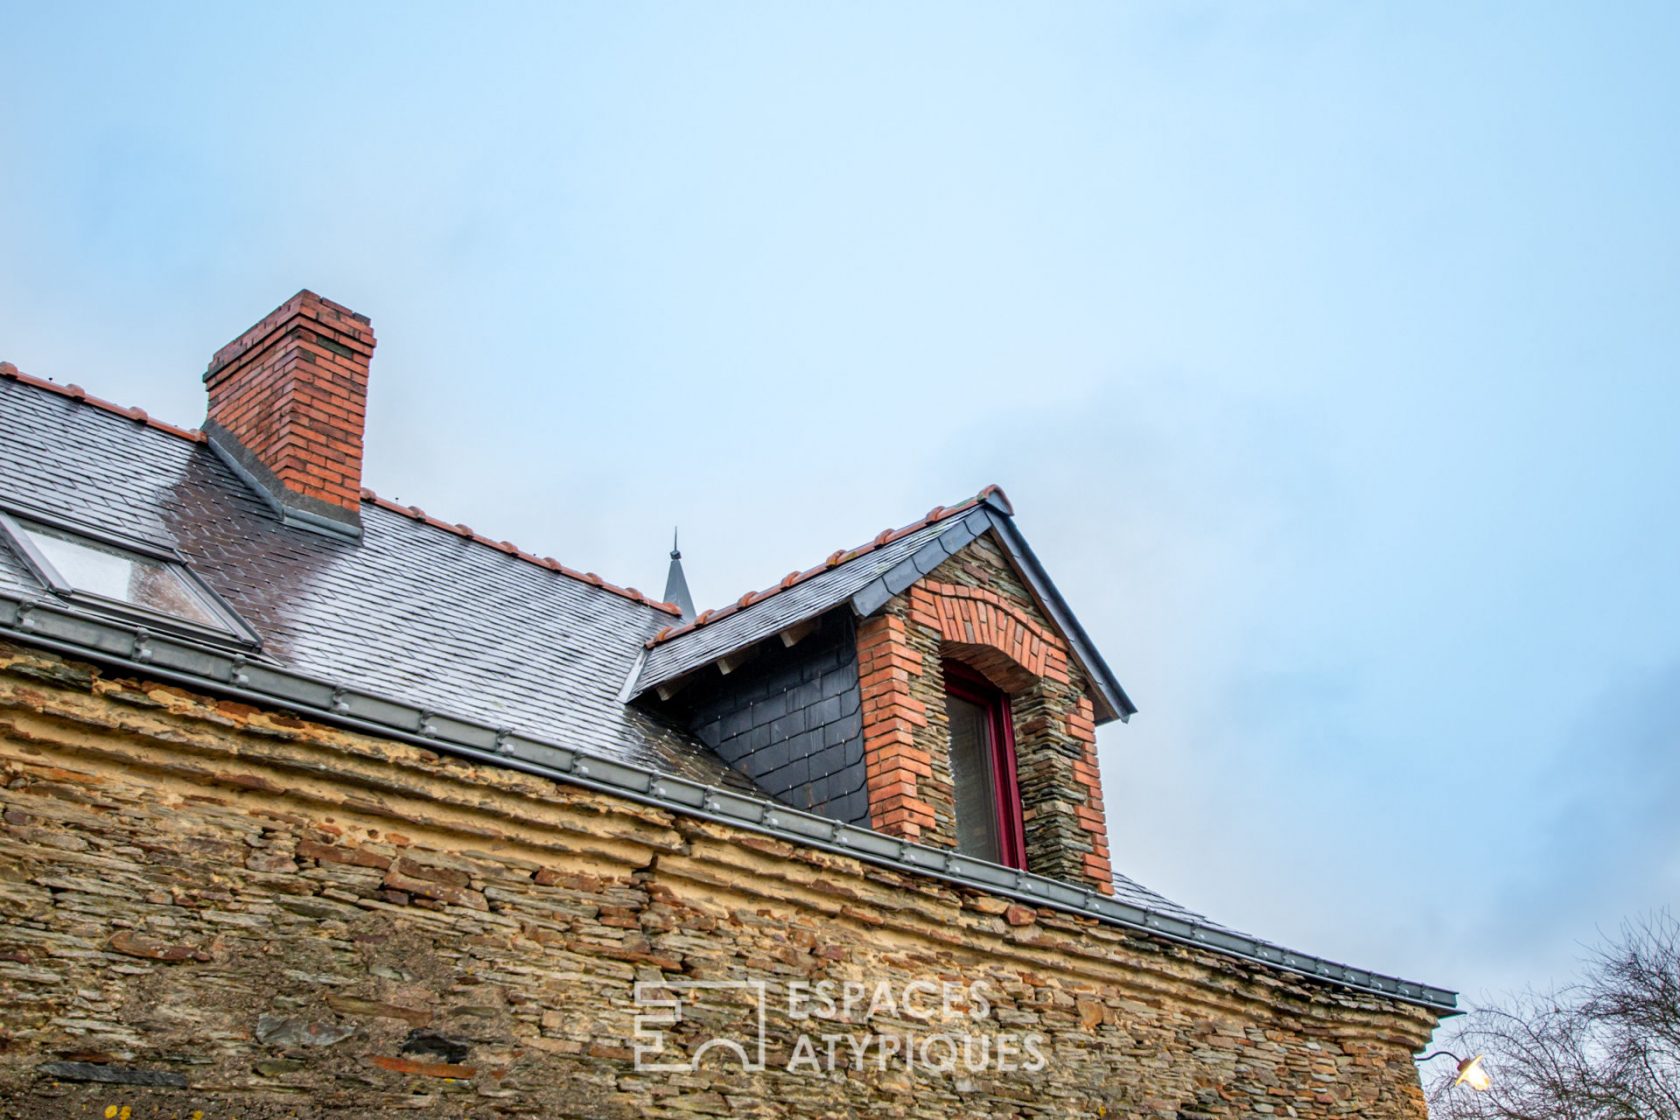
(967, 684)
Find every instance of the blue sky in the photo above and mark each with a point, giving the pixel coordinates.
(1328, 353)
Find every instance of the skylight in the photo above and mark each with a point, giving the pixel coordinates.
(135, 581)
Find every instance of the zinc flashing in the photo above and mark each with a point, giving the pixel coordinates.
(167, 658)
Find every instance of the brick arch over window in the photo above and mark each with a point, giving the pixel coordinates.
(997, 631)
(987, 632)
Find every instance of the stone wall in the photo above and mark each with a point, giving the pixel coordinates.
(973, 609)
(215, 911)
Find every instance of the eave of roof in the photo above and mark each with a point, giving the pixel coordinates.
(162, 657)
(194, 435)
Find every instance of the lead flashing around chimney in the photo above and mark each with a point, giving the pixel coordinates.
(299, 511)
(165, 658)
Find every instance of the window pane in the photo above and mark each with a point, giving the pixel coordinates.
(116, 573)
(971, 775)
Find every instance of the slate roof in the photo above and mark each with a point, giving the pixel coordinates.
(698, 645)
(413, 611)
(869, 576)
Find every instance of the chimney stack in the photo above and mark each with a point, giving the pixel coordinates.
(288, 402)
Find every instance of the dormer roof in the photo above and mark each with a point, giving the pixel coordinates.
(867, 577)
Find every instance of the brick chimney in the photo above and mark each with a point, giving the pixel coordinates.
(288, 401)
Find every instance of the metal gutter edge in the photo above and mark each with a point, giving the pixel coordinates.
(166, 658)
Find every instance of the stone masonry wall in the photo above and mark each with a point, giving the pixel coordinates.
(213, 911)
(973, 609)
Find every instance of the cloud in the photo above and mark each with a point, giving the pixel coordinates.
(1609, 847)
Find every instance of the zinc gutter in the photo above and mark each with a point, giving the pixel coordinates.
(168, 658)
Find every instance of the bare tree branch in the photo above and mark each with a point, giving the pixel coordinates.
(1606, 1048)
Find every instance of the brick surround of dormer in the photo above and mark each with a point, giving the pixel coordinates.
(973, 609)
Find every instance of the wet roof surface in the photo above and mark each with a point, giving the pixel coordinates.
(410, 611)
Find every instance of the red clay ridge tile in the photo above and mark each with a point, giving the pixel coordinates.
(77, 393)
(193, 435)
(835, 559)
(510, 549)
(994, 490)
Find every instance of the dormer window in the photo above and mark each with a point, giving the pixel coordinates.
(987, 799)
(137, 582)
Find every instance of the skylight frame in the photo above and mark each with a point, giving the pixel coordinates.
(231, 631)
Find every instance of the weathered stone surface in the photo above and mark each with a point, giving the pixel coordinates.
(282, 1030)
(1019, 916)
(136, 945)
(353, 1005)
(112, 1075)
(423, 1069)
(430, 1042)
(542, 907)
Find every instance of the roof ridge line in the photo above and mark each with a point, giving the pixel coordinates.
(194, 435)
(548, 563)
(834, 560)
(82, 396)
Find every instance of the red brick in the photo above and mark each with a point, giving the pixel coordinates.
(297, 405)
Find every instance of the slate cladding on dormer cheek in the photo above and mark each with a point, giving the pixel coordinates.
(791, 719)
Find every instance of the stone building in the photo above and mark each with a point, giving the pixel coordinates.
(316, 804)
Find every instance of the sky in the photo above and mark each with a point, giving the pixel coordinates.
(1328, 353)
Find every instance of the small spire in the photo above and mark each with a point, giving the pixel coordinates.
(676, 584)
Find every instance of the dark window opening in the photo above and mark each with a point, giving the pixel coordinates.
(987, 798)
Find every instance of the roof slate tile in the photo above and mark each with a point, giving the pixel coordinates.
(450, 622)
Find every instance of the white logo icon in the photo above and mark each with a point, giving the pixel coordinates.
(665, 1000)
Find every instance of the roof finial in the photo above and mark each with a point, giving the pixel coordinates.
(676, 584)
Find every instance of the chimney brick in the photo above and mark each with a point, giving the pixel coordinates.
(288, 404)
